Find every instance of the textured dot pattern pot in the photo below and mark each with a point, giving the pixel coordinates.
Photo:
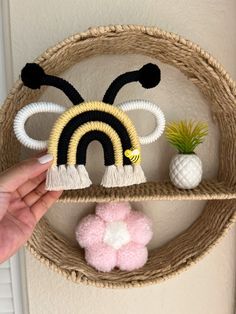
(186, 171)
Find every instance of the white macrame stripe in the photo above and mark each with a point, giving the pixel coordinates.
(24, 114)
(155, 110)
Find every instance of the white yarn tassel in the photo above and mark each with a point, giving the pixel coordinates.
(71, 179)
(53, 179)
(128, 178)
(123, 176)
(111, 177)
(138, 175)
(84, 177)
(67, 178)
(133, 174)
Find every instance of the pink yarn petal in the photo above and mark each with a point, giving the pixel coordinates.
(132, 256)
(90, 230)
(101, 256)
(113, 211)
(139, 227)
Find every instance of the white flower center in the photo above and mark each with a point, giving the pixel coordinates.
(116, 234)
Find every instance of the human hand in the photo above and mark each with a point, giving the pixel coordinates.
(23, 201)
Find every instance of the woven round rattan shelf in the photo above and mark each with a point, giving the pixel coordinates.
(208, 75)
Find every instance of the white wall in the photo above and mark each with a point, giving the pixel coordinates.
(208, 287)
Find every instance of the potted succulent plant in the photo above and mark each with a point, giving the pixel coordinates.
(185, 168)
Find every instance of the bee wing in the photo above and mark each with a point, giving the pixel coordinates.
(24, 114)
(155, 110)
(136, 152)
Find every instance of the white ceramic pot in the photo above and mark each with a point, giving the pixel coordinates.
(185, 171)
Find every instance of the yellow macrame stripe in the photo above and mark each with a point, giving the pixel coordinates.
(95, 126)
(89, 106)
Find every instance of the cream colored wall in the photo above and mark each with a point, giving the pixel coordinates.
(206, 288)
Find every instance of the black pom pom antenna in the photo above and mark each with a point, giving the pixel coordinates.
(33, 76)
(148, 76)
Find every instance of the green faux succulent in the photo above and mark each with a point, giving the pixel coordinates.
(185, 136)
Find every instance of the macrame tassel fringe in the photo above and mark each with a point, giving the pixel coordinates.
(123, 176)
(133, 174)
(67, 178)
(76, 177)
(84, 177)
(128, 175)
(138, 175)
(53, 179)
(110, 178)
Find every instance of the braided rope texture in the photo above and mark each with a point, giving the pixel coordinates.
(48, 245)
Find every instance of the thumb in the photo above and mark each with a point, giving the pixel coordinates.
(28, 169)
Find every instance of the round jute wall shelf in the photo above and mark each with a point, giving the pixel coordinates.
(213, 81)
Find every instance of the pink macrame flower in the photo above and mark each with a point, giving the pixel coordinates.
(115, 236)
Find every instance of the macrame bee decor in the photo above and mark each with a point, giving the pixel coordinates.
(85, 122)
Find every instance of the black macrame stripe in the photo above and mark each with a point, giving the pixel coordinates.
(65, 86)
(33, 76)
(148, 76)
(106, 142)
(117, 84)
(93, 115)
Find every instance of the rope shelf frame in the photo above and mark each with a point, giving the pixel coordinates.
(220, 211)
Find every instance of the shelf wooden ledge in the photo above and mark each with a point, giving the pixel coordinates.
(207, 190)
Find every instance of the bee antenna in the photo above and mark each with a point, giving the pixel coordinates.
(148, 76)
(33, 76)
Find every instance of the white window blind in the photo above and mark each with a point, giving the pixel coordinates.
(6, 296)
(11, 300)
